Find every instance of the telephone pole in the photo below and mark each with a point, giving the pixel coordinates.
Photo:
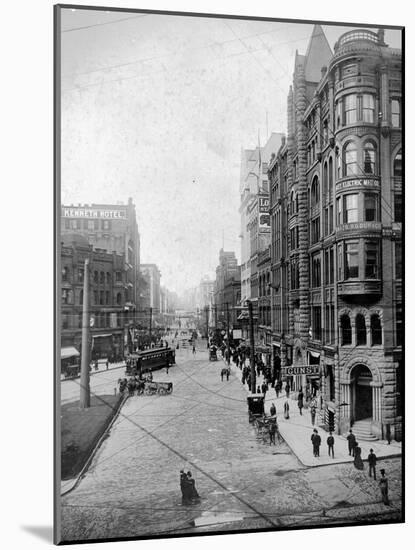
(227, 333)
(85, 394)
(207, 325)
(252, 344)
(151, 315)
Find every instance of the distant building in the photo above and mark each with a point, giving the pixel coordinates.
(227, 293)
(151, 292)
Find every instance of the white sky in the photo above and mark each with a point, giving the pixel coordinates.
(158, 107)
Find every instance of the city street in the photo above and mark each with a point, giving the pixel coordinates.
(132, 486)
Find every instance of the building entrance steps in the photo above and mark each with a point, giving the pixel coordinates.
(297, 431)
(363, 430)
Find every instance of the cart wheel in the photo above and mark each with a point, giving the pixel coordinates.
(162, 391)
(147, 391)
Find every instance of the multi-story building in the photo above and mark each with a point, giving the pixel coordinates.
(112, 228)
(108, 295)
(227, 291)
(336, 213)
(151, 292)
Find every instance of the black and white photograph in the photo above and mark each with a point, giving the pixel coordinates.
(229, 273)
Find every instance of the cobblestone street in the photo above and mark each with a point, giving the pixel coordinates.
(132, 486)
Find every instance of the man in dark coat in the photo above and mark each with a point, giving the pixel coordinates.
(330, 444)
(351, 440)
(372, 464)
(272, 410)
(316, 441)
(384, 487)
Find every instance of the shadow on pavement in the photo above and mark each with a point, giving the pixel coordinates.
(43, 532)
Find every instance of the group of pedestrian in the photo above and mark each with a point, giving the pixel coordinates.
(134, 384)
(225, 372)
(188, 488)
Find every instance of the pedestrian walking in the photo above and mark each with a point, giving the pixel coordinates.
(272, 430)
(313, 411)
(277, 388)
(286, 410)
(358, 462)
(330, 444)
(287, 390)
(228, 371)
(384, 487)
(258, 390)
(351, 441)
(316, 442)
(272, 410)
(264, 388)
(300, 401)
(107, 363)
(194, 349)
(372, 463)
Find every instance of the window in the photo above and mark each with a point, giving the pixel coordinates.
(346, 330)
(315, 192)
(95, 297)
(371, 207)
(119, 298)
(397, 207)
(372, 260)
(95, 276)
(81, 298)
(350, 160)
(101, 297)
(397, 165)
(330, 218)
(65, 273)
(316, 323)
(326, 130)
(360, 330)
(80, 274)
(315, 271)
(66, 296)
(376, 330)
(107, 297)
(315, 230)
(368, 108)
(264, 167)
(398, 325)
(328, 266)
(340, 262)
(106, 224)
(396, 113)
(102, 277)
(330, 175)
(351, 213)
(398, 260)
(350, 109)
(369, 158)
(351, 264)
(108, 278)
(338, 114)
(118, 276)
(65, 320)
(91, 225)
(79, 320)
(325, 180)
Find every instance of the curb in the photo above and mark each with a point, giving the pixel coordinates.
(104, 434)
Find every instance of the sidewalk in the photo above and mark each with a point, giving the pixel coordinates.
(102, 367)
(297, 431)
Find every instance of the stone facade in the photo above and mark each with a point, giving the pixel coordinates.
(336, 247)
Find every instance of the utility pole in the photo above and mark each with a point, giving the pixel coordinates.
(252, 344)
(85, 394)
(151, 315)
(207, 325)
(227, 333)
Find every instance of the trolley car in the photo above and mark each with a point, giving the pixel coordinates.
(149, 360)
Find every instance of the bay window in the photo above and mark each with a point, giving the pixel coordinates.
(350, 167)
(372, 260)
(351, 256)
(368, 108)
(351, 212)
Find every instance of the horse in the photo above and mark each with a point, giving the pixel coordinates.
(225, 372)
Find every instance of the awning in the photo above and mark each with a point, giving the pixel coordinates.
(101, 335)
(276, 344)
(314, 354)
(243, 315)
(70, 351)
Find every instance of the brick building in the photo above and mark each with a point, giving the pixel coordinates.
(227, 290)
(108, 296)
(336, 247)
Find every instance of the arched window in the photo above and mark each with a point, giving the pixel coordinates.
(292, 211)
(108, 277)
(315, 192)
(346, 330)
(360, 330)
(296, 203)
(376, 330)
(369, 158)
(119, 298)
(350, 167)
(102, 277)
(81, 298)
(397, 165)
(325, 180)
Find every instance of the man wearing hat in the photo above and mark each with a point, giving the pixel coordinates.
(372, 464)
(384, 488)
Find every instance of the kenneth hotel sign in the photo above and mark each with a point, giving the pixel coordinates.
(93, 213)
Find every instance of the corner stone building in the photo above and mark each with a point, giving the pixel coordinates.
(336, 224)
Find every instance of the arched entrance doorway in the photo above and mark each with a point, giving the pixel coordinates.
(362, 401)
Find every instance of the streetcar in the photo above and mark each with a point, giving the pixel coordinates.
(149, 360)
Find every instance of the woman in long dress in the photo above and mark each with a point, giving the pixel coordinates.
(286, 410)
(358, 462)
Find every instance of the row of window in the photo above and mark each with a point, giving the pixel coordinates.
(89, 225)
(101, 320)
(100, 298)
(354, 108)
(100, 277)
(346, 336)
